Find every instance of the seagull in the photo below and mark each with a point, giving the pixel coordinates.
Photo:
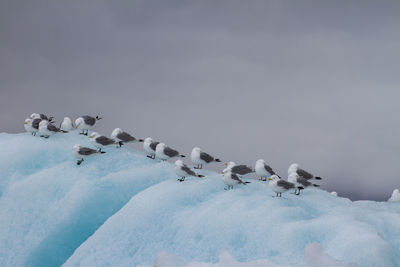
(263, 170)
(123, 137)
(164, 152)
(238, 169)
(182, 170)
(85, 123)
(66, 124)
(100, 141)
(231, 179)
(46, 129)
(29, 128)
(302, 173)
(300, 182)
(82, 152)
(41, 116)
(279, 185)
(149, 145)
(199, 158)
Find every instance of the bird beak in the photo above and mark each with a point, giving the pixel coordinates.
(76, 127)
(25, 122)
(270, 179)
(90, 137)
(226, 163)
(222, 172)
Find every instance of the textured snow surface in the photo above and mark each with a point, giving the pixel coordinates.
(123, 209)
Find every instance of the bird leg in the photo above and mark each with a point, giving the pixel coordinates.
(79, 162)
(201, 166)
(182, 179)
(120, 143)
(99, 150)
(150, 157)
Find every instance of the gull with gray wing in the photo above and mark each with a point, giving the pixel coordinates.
(83, 152)
(182, 170)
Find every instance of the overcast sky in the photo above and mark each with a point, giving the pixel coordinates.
(312, 82)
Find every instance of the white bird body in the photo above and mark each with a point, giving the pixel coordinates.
(43, 129)
(164, 152)
(293, 178)
(263, 170)
(200, 158)
(195, 156)
(66, 124)
(182, 170)
(231, 179)
(28, 126)
(147, 146)
(279, 186)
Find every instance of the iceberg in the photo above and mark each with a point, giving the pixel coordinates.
(123, 209)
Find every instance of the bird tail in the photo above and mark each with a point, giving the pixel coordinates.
(182, 156)
(318, 178)
(63, 131)
(98, 118)
(316, 185)
(300, 187)
(102, 152)
(141, 140)
(200, 176)
(246, 182)
(217, 160)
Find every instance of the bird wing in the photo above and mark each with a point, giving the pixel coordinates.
(236, 178)
(303, 181)
(43, 117)
(153, 145)
(269, 169)
(86, 151)
(304, 174)
(206, 157)
(35, 123)
(125, 137)
(188, 171)
(170, 152)
(52, 128)
(103, 140)
(241, 169)
(89, 120)
(285, 184)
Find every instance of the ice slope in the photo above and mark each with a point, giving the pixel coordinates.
(122, 209)
(49, 206)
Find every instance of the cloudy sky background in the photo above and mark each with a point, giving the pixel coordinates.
(312, 82)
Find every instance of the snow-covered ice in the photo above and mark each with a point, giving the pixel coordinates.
(123, 209)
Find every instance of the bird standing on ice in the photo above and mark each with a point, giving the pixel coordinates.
(164, 152)
(263, 170)
(279, 186)
(46, 129)
(28, 126)
(302, 173)
(123, 137)
(238, 169)
(231, 179)
(85, 123)
(182, 170)
(100, 141)
(300, 182)
(66, 124)
(149, 145)
(83, 152)
(199, 158)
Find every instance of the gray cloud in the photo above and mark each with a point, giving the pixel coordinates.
(313, 82)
